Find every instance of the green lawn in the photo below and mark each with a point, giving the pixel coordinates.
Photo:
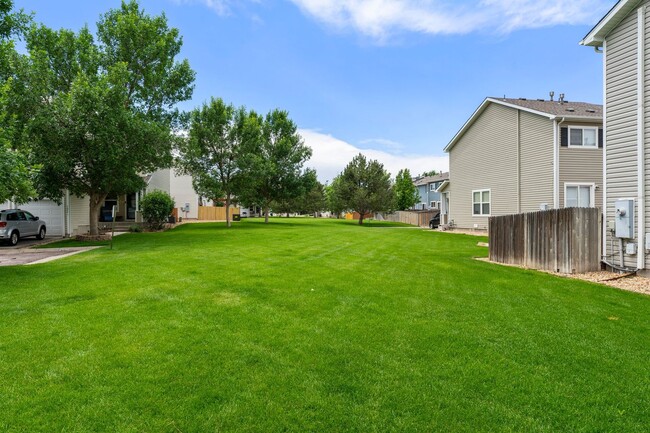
(315, 325)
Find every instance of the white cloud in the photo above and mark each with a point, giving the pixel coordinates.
(331, 155)
(380, 18)
(221, 7)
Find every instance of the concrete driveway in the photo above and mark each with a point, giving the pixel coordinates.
(24, 254)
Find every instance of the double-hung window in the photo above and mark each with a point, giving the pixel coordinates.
(586, 137)
(579, 195)
(481, 202)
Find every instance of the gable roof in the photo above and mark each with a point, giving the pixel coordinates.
(576, 111)
(431, 179)
(607, 23)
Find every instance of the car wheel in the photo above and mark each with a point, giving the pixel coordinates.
(13, 239)
(41, 234)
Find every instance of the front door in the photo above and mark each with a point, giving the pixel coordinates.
(130, 206)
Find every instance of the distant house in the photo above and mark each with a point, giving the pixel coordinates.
(624, 36)
(71, 216)
(427, 186)
(522, 155)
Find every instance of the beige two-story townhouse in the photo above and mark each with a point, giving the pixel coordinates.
(623, 38)
(523, 155)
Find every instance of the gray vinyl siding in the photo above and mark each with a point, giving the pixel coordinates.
(621, 117)
(581, 166)
(536, 135)
(646, 132)
(485, 157)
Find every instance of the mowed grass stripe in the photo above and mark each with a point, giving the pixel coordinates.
(314, 325)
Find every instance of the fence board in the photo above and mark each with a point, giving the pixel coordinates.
(561, 240)
(213, 213)
(419, 218)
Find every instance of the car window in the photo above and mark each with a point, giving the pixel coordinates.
(29, 216)
(21, 216)
(12, 217)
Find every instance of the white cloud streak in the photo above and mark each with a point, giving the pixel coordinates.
(381, 18)
(331, 155)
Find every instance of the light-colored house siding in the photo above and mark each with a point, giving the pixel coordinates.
(79, 212)
(581, 166)
(479, 160)
(536, 149)
(621, 119)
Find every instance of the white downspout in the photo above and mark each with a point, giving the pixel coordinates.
(68, 222)
(640, 135)
(603, 253)
(556, 162)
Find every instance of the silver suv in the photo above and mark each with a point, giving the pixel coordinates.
(16, 224)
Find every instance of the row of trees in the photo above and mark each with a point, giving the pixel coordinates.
(235, 153)
(89, 113)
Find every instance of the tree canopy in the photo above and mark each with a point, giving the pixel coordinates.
(106, 108)
(365, 187)
(406, 193)
(273, 161)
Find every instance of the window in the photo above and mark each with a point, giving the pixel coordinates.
(434, 205)
(481, 202)
(432, 187)
(578, 195)
(583, 137)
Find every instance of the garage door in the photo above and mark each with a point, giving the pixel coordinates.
(48, 211)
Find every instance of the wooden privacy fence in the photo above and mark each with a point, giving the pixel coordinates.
(560, 240)
(213, 213)
(409, 217)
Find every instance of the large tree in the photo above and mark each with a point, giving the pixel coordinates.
(365, 187)
(273, 161)
(406, 193)
(16, 171)
(107, 105)
(211, 154)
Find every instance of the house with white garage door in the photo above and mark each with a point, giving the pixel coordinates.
(71, 216)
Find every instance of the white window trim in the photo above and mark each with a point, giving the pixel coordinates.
(432, 187)
(592, 191)
(581, 146)
(490, 202)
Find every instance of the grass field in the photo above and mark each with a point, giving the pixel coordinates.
(315, 325)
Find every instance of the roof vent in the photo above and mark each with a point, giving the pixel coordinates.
(540, 100)
(570, 110)
(562, 101)
(590, 110)
(551, 94)
(522, 99)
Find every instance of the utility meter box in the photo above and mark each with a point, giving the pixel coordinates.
(186, 208)
(624, 218)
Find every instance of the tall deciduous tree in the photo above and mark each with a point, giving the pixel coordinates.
(365, 187)
(273, 161)
(212, 152)
(107, 108)
(406, 193)
(16, 171)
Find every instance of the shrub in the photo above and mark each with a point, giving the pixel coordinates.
(135, 228)
(156, 207)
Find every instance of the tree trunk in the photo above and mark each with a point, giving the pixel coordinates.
(227, 210)
(266, 215)
(360, 218)
(96, 200)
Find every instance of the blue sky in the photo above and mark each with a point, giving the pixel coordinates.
(394, 79)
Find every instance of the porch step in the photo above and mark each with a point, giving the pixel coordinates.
(121, 226)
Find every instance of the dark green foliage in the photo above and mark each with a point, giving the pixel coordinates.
(214, 148)
(107, 106)
(429, 173)
(274, 156)
(406, 193)
(156, 208)
(365, 187)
